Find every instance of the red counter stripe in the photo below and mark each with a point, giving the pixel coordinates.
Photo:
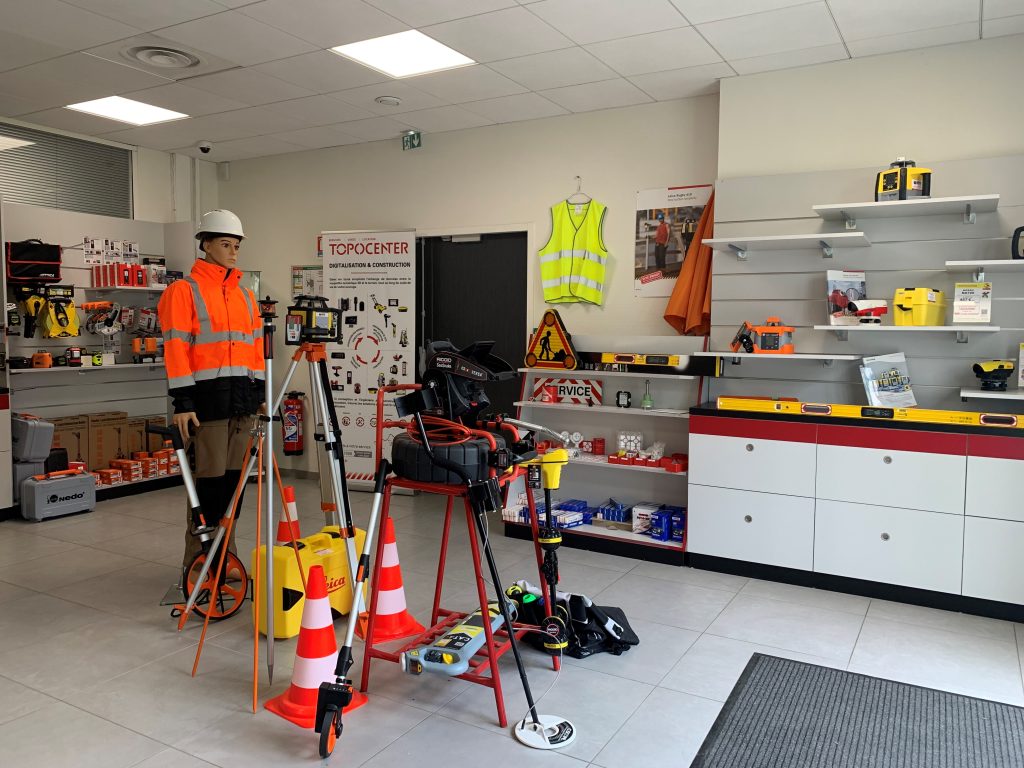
(5, 402)
(996, 447)
(764, 429)
(894, 439)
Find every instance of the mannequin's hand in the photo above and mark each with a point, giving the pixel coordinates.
(182, 422)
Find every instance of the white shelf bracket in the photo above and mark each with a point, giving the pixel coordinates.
(979, 275)
(736, 360)
(827, 363)
(842, 335)
(961, 337)
(827, 252)
(970, 217)
(741, 253)
(851, 221)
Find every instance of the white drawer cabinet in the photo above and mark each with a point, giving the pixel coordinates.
(994, 488)
(892, 478)
(5, 429)
(757, 527)
(752, 464)
(908, 547)
(994, 559)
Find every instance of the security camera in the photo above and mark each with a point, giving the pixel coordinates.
(205, 147)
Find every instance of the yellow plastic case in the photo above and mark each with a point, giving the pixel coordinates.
(919, 306)
(326, 548)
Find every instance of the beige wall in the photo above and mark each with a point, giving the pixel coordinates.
(952, 102)
(486, 177)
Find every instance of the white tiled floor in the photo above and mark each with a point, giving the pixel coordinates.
(93, 673)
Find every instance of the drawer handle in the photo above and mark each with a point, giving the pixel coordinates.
(748, 519)
(885, 537)
(750, 447)
(887, 460)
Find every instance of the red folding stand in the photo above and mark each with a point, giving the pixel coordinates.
(442, 619)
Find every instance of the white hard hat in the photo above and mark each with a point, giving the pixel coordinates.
(220, 222)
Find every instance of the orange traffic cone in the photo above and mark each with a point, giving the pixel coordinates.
(288, 532)
(315, 657)
(393, 620)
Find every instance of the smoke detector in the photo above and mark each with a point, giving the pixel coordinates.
(161, 58)
(388, 101)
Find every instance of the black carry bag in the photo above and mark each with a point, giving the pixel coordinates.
(32, 262)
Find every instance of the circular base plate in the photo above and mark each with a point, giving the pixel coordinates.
(553, 732)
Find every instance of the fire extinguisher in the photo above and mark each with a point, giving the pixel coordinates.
(291, 423)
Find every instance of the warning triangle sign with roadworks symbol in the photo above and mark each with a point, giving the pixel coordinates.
(551, 346)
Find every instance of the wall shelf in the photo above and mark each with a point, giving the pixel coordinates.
(611, 533)
(113, 288)
(597, 374)
(980, 267)
(967, 393)
(625, 467)
(826, 242)
(737, 357)
(842, 331)
(666, 412)
(968, 205)
(86, 368)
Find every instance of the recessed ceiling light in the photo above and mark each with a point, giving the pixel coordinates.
(388, 101)
(404, 54)
(7, 142)
(127, 111)
(160, 57)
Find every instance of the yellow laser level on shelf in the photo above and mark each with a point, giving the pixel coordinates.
(903, 180)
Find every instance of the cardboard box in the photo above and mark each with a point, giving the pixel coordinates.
(156, 442)
(108, 435)
(137, 439)
(72, 433)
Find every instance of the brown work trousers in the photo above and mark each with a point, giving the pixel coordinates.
(220, 454)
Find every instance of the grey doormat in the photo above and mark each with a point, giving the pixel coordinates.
(787, 714)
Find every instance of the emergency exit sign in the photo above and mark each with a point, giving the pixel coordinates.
(411, 140)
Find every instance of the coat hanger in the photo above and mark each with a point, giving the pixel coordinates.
(581, 196)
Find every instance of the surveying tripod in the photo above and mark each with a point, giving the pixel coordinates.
(310, 325)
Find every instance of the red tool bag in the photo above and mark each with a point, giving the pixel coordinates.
(32, 261)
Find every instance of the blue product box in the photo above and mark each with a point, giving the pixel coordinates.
(661, 525)
(678, 523)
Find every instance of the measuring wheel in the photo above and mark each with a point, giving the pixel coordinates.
(219, 601)
(330, 730)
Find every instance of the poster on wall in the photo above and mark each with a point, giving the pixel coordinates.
(666, 221)
(371, 278)
(307, 280)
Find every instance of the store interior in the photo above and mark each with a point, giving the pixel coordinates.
(690, 335)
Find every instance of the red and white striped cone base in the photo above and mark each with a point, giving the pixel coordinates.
(393, 620)
(315, 657)
(288, 532)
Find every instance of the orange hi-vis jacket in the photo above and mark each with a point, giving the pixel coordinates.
(213, 343)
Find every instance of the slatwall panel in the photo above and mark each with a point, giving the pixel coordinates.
(905, 252)
(63, 172)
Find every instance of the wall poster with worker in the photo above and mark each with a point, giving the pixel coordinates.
(666, 220)
(371, 278)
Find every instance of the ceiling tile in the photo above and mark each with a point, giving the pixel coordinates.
(419, 13)
(182, 98)
(762, 34)
(604, 95)
(248, 86)
(864, 19)
(682, 83)
(13, 106)
(19, 51)
(590, 21)
(77, 122)
(322, 72)
(244, 149)
(702, 11)
(180, 133)
(74, 78)
(375, 128)
(789, 59)
(150, 14)
(236, 37)
(60, 24)
(466, 84)
(522, 106)
(325, 23)
(450, 118)
(320, 110)
(656, 52)
(412, 98)
(958, 33)
(1010, 25)
(256, 121)
(317, 138)
(997, 9)
(554, 69)
(117, 52)
(499, 35)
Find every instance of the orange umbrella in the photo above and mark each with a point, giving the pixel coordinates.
(689, 306)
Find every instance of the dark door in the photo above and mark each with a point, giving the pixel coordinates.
(476, 291)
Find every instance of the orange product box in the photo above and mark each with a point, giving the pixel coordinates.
(110, 476)
(150, 467)
(139, 455)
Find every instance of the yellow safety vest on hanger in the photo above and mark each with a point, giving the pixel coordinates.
(572, 264)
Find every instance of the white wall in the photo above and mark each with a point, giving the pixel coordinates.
(473, 179)
(952, 102)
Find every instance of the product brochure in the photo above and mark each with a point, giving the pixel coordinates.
(887, 381)
(843, 290)
(972, 303)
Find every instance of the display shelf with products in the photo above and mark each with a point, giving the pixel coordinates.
(613, 534)
(595, 374)
(123, 288)
(962, 331)
(826, 242)
(670, 413)
(974, 393)
(587, 460)
(966, 205)
(85, 368)
(981, 267)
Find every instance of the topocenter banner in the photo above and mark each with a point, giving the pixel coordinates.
(371, 278)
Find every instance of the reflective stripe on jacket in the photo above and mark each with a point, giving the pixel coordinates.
(213, 343)
(572, 264)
